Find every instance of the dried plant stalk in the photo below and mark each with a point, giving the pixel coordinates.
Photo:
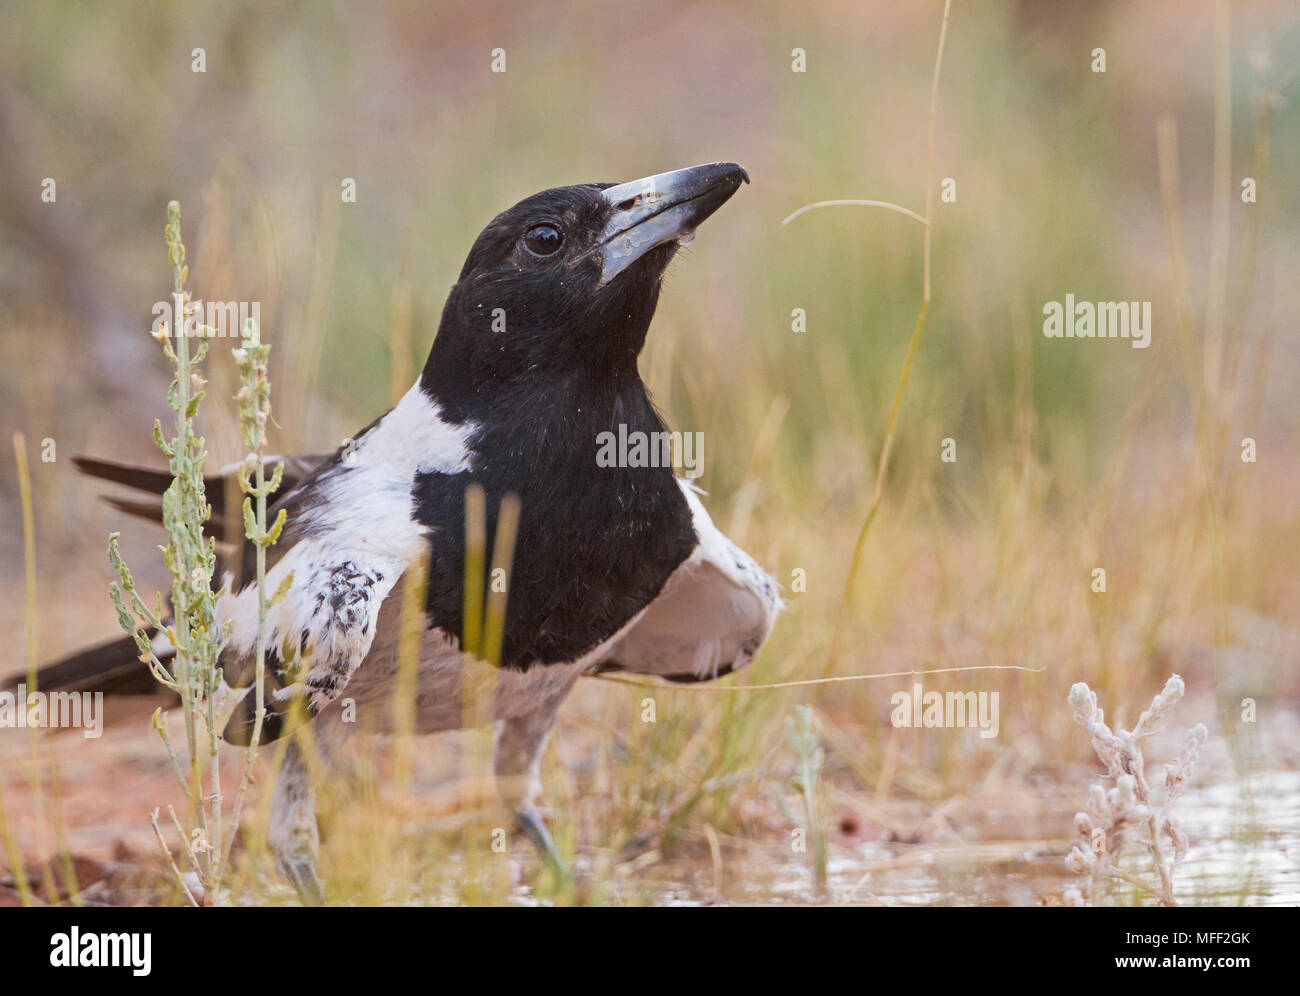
(1127, 813)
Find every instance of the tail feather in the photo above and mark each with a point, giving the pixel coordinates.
(155, 482)
(113, 668)
(140, 508)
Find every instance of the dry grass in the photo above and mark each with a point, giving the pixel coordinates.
(1070, 457)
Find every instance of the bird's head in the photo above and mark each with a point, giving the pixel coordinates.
(562, 286)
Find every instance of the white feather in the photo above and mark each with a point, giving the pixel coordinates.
(358, 538)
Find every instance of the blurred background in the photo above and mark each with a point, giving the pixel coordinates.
(1071, 454)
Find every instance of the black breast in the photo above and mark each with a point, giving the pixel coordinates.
(595, 544)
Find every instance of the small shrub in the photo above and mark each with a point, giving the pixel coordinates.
(1126, 814)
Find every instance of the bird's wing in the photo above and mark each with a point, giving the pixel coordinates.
(350, 536)
(317, 636)
(714, 612)
(350, 539)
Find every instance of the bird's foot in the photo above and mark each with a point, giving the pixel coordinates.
(531, 824)
(302, 873)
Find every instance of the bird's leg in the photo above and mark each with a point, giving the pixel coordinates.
(519, 745)
(532, 824)
(293, 834)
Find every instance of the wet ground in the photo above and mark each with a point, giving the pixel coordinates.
(1245, 849)
(976, 848)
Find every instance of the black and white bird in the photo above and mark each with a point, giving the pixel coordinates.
(615, 568)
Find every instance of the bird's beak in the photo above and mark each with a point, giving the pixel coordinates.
(660, 208)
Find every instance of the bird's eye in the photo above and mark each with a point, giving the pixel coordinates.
(543, 240)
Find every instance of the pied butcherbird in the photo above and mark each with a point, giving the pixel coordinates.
(615, 567)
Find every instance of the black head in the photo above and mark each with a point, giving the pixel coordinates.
(559, 290)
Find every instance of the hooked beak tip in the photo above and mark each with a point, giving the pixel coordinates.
(666, 207)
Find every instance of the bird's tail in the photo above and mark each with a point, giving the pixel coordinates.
(114, 668)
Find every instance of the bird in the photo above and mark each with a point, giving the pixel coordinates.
(615, 568)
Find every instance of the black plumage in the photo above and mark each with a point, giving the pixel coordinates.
(615, 567)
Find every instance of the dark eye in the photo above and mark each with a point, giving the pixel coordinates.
(543, 240)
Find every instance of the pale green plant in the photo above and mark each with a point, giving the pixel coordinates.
(254, 400)
(190, 557)
(803, 737)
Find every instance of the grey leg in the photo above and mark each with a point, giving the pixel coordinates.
(519, 745)
(293, 835)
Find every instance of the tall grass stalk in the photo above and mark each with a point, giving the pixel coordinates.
(882, 465)
(483, 634)
(13, 855)
(415, 585)
(810, 682)
(35, 772)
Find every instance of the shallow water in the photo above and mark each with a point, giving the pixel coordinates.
(1245, 850)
